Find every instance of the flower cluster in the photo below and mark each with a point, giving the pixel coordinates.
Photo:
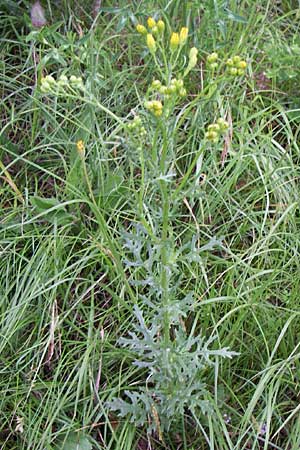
(175, 87)
(177, 40)
(215, 130)
(212, 61)
(154, 29)
(154, 106)
(136, 126)
(236, 66)
(157, 28)
(49, 84)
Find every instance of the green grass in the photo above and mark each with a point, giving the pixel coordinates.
(66, 295)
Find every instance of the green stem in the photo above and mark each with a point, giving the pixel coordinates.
(142, 183)
(164, 259)
(164, 236)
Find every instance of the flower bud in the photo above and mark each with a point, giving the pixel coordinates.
(141, 29)
(174, 41)
(236, 59)
(161, 26)
(212, 136)
(212, 58)
(214, 127)
(233, 71)
(213, 66)
(183, 35)
(171, 89)
(192, 58)
(45, 86)
(193, 52)
(156, 84)
(182, 92)
(242, 65)
(151, 22)
(148, 105)
(163, 90)
(155, 30)
(155, 106)
(50, 79)
(63, 80)
(178, 83)
(223, 124)
(80, 148)
(137, 121)
(151, 44)
(229, 62)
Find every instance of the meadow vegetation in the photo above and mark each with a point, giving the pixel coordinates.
(149, 228)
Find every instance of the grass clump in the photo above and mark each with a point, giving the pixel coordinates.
(149, 164)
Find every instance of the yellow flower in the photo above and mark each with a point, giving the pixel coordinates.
(242, 65)
(183, 35)
(151, 44)
(161, 26)
(151, 22)
(174, 41)
(141, 29)
(80, 148)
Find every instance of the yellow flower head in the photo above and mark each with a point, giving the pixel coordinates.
(183, 35)
(151, 44)
(141, 29)
(80, 148)
(242, 65)
(151, 22)
(174, 41)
